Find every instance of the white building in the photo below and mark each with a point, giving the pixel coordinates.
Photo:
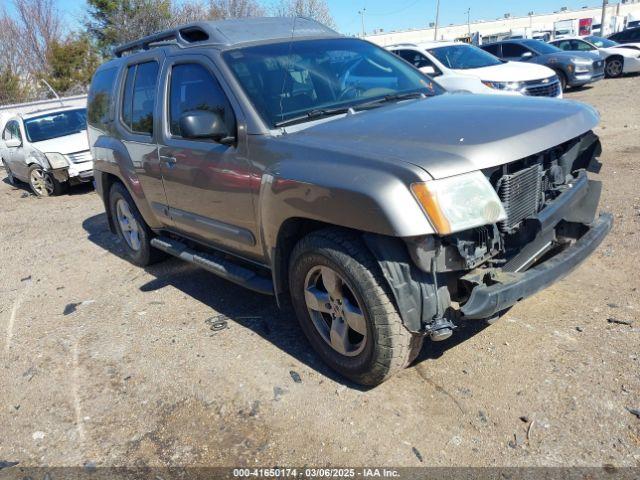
(618, 15)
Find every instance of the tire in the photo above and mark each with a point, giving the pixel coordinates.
(379, 346)
(43, 184)
(614, 68)
(10, 177)
(563, 81)
(131, 228)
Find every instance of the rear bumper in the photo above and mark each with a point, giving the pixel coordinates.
(486, 301)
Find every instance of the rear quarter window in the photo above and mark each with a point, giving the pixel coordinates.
(100, 98)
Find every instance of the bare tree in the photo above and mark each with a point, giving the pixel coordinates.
(235, 9)
(189, 11)
(38, 25)
(315, 9)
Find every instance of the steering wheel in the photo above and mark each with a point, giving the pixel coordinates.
(353, 90)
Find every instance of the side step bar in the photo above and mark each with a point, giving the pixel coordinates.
(216, 264)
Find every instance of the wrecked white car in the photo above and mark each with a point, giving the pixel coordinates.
(47, 149)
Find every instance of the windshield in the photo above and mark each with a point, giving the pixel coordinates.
(292, 79)
(541, 47)
(464, 57)
(601, 42)
(57, 124)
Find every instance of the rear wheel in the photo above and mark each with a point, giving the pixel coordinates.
(131, 228)
(345, 309)
(42, 183)
(614, 68)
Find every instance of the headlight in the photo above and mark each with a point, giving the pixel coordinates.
(582, 66)
(459, 203)
(57, 160)
(507, 86)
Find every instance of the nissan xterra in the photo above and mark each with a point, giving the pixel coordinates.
(285, 157)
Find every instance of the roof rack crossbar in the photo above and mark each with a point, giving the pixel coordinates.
(145, 42)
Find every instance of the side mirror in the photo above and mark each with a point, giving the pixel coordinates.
(429, 70)
(13, 143)
(526, 56)
(204, 124)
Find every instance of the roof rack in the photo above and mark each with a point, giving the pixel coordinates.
(186, 34)
(231, 32)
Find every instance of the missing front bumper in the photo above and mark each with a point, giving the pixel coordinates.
(485, 301)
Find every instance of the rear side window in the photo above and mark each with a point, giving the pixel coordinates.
(492, 49)
(513, 50)
(194, 88)
(138, 101)
(100, 96)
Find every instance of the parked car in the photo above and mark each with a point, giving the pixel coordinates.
(459, 66)
(388, 209)
(607, 43)
(618, 61)
(630, 35)
(574, 69)
(47, 149)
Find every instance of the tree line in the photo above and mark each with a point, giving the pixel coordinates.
(40, 53)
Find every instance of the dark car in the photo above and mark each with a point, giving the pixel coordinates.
(630, 35)
(574, 69)
(299, 163)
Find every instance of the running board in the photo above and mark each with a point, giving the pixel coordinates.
(216, 264)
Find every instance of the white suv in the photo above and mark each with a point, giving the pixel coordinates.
(48, 149)
(459, 66)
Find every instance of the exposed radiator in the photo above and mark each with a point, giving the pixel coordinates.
(521, 194)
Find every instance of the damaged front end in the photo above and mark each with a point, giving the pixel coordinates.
(549, 229)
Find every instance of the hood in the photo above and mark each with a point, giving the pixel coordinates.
(624, 51)
(452, 134)
(632, 46)
(511, 72)
(78, 142)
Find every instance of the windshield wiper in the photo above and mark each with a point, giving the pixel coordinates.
(328, 112)
(389, 98)
(313, 115)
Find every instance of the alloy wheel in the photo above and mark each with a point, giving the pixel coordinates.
(41, 183)
(128, 225)
(335, 311)
(614, 68)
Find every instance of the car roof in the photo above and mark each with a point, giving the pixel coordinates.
(45, 111)
(425, 45)
(232, 33)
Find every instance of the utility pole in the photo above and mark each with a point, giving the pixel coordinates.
(469, 21)
(361, 13)
(604, 16)
(435, 33)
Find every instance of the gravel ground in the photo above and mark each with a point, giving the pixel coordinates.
(108, 363)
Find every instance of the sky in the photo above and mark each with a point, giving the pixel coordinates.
(400, 14)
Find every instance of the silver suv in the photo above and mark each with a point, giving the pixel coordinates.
(286, 158)
(48, 149)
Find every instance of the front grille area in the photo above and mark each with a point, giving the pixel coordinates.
(80, 157)
(541, 89)
(521, 195)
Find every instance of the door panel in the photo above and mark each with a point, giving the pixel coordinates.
(208, 185)
(138, 124)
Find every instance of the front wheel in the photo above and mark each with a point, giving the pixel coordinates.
(614, 68)
(42, 183)
(10, 177)
(564, 84)
(345, 308)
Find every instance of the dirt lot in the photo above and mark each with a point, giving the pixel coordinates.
(107, 363)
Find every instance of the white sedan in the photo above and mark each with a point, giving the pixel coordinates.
(620, 59)
(462, 67)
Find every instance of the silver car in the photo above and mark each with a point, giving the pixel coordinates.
(48, 149)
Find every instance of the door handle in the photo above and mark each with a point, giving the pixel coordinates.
(170, 161)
